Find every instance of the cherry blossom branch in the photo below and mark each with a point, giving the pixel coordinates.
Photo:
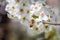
(51, 23)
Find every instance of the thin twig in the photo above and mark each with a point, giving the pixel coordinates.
(51, 23)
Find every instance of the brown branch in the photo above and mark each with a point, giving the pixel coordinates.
(51, 23)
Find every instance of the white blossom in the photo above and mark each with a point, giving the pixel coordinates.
(30, 15)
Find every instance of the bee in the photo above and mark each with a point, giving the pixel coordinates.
(32, 23)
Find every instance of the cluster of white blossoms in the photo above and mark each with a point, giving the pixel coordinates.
(30, 15)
